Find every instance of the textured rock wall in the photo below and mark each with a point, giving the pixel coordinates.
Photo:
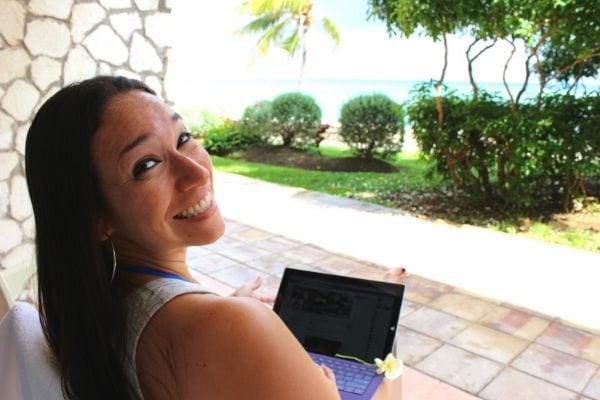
(46, 44)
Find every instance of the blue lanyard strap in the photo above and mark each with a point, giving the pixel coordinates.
(141, 269)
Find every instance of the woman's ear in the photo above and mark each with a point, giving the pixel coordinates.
(103, 229)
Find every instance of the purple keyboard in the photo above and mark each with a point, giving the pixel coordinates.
(350, 376)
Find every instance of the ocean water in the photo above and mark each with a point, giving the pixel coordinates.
(231, 97)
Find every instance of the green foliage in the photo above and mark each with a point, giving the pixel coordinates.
(433, 17)
(372, 123)
(228, 138)
(296, 117)
(561, 37)
(258, 120)
(199, 120)
(488, 149)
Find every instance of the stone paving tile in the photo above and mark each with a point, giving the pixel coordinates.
(514, 322)
(418, 386)
(434, 323)
(271, 263)
(196, 252)
(250, 235)
(338, 265)
(572, 341)
(270, 285)
(369, 272)
(412, 347)
(593, 387)
(408, 307)
(421, 290)
(490, 343)
(515, 385)
(244, 253)
(460, 368)
(233, 226)
(210, 263)
(236, 276)
(555, 366)
(305, 254)
(463, 306)
(277, 244)
(223, 244)
(211, 284)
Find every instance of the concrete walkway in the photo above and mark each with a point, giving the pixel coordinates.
(486, 315)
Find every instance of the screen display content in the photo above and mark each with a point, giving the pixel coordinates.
(342, 315)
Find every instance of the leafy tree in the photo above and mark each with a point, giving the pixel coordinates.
(435, 18)
(284, 24)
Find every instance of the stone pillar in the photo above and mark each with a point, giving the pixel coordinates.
(46, 44)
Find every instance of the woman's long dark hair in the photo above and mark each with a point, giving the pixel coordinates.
(79, 312)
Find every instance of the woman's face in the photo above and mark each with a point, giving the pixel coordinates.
(156, 179)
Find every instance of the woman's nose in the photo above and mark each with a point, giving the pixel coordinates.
(189, 173)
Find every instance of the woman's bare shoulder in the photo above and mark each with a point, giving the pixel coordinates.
(237, 347)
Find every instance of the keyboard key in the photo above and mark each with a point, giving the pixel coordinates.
(350, 376)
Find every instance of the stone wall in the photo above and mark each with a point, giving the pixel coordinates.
(46, 44)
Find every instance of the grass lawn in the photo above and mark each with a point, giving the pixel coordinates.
(410, 181)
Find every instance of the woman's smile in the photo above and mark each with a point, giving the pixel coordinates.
(199, 211)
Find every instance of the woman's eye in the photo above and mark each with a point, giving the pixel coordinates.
(143, 166)
(183, 139)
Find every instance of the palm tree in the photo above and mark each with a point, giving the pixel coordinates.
(284, 24)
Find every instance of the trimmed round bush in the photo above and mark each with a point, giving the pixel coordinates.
(296, 117)
(372, 123)
(228, 138)
(258, 120)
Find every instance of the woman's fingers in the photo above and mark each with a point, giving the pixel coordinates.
(328, 373)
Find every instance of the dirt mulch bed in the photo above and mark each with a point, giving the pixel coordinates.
(290, 157)
(453, 207)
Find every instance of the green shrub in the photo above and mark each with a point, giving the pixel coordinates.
(372, 123)
(490, 150)
(258, 120)
(296, 117)
(228, 138)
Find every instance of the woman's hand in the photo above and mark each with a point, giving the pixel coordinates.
(329, 375)
(249, 290)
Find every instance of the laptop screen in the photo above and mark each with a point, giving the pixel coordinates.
(332, 314)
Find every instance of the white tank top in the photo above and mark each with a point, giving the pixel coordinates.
(140, 306)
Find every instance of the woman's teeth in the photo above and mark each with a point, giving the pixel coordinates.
(196, 209)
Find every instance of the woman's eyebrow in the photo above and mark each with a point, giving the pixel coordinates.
(175, 116)
(129, 146)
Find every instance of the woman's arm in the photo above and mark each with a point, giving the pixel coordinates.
(227, 348)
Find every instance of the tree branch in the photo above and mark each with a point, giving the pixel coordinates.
(440, 82)
(470, 61)
(512, 53)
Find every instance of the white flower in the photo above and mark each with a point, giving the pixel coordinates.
(390, 367)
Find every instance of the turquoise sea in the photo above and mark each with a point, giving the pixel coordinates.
(230, 97)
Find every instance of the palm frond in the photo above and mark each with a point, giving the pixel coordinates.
(271, 36)
(292, 43)
(331, 30)
(259, 7)
(260, 24)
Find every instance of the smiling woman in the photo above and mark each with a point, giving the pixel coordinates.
(119, 191)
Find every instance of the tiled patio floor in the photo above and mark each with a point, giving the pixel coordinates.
(457, 346)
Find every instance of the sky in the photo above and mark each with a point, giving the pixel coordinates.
(207, 49)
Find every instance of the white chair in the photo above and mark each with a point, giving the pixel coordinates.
(12, 281)
(26, 368)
